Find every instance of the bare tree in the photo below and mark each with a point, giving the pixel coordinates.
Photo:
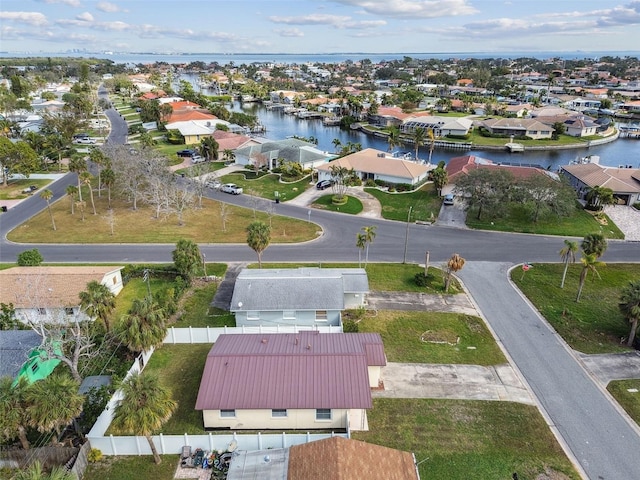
(225, 213)
(197, 182)
(179, 199)
(110, 219)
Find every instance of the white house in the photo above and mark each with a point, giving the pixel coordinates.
(51, 294)
(272, 154)
(441, 126)
(302, 296)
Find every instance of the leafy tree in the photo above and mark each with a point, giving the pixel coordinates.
(455, 264)
(597, 197)
(14, 416)
(145, 406)
(98, 302)
(568, 255)
(8, 320)
(16, 157)
(594, 244)
(187, 259)
(339, 178)
(47, 195)
(630, 307)
(485, 189)
(542, 195)
(30, 258)
(258, 238)
(53, 402)
(228, 155)
(589, 264)
(144, 326)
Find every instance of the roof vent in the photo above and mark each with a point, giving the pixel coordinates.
(264, 340)
(295, 341)
(308, 346)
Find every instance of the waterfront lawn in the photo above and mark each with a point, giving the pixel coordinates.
(629, 400)
(139, 226)
(353, 205)
(132, 468)
(594, 325)
(266, 185)
(579, 224)
(433, 337)
(425, 204)
(462, 439)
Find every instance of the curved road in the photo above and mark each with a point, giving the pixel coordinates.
(591, 428)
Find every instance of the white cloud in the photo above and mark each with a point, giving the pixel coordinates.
(30, 18)
(107, 7)
(85, 17)
(289, 32)
(413, 8)
(71, 3)
(313, 19)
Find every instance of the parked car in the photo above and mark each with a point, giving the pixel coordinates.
(84, 141)
(30, 189)
(187, 152)
(80, 135)
(448, 199)
(231, 188)
(322, 184)
(215, 184)
(198, 159)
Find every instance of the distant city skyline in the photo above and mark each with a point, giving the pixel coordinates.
(319, 26)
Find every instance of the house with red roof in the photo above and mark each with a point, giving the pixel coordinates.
(302, 381)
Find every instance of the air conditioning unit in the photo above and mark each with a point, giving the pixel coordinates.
(381, 155)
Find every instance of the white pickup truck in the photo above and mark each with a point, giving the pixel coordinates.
(231, 188)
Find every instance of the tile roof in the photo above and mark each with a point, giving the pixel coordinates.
(52, 287)
(15, 346)
(369, 161)
(338, 458)
(620, 180)
(229, 140)
(303, 371)
(466, 163)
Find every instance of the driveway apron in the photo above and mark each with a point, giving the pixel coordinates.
(586, 421)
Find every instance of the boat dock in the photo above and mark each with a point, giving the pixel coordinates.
(514, 147)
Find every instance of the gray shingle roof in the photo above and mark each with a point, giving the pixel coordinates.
(15, 346)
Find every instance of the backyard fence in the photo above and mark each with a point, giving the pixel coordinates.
(210, 335)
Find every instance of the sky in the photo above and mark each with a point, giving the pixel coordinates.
(319, 26)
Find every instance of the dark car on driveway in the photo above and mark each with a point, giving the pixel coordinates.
(188, 152)
(322, 184)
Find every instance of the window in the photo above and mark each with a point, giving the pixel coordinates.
(34, 367)
(323, 414)
(279, 413)
(68, 310)
(289, 314)
(253, 315)
(321, 315)
(227, 413)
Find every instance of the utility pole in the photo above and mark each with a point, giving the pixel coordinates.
(406, 236)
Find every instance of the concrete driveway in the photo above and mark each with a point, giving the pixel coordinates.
(452, 215)
(459, 303)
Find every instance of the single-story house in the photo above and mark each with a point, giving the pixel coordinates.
(273, 153)
(194, 131)
(518, 127)
(302, 296)
(388, 117)
(303, 381)
(334, 458)
(378, 165)
(625, 182)
(51, 294)
(580, 127)
(441, 126)
(581, 103)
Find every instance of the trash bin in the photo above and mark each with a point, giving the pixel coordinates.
(277, 201)
(3, 208)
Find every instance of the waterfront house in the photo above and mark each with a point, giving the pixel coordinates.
(517, 127)
(622, 180)
(272, 154)
(303, 381)
(51, 294)
(306, 296)
(441, 126)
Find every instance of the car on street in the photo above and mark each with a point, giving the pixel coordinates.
(214, 184)
(84, 141)
(231, 188)
(448, 199)
(322, 184)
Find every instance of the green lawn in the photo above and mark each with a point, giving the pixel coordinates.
(518, 220)
(456, 439)
(630, 401)
(196, 311)
(418, 337)
(594, 325)
(132, 468)
(353, 205)
(266, 185)
(13, 190)
(425, 204)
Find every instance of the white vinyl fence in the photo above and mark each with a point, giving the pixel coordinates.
(172, 444)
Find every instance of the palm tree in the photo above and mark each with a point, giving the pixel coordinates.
(228, 155)
(14, 418)
(589, 264)
(72, 191)
(394, 138)
(369, 234)
(35, 472)
(336, 144)
(630, 307)
(594, 244)
(78, 165)
(109, 180)
(361, 243)
(432, 143)
(568, 255)
(144, 326)
(145, 406)
(455, 263)
(98, 301)
(101, 161)
(86, 178)
(598, 196)
(209, 148)
(54, 402)
(419, 135)
(258, 238)
(47, 195)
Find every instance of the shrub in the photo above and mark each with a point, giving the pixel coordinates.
(95, 455)
(421, 279)
(370, 183)
(350, 326)
(30, 258)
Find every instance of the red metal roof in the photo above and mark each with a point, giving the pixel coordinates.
(305, 370)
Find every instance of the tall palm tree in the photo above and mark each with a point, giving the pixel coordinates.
(258, 238)
(455, 264)
(101, 161)
(47, 195)
(109, 180)
(394, 138)
(630, 307)
(594, 244)
(14, 418)
(86, 178)
(361, 243)
(209, 148)
(589, 264)
(145, 406)
(568, 255)
(78, 165)
(72, 191)
(54, 402)
(369, 234)
(418, 136)
(432, 143)
(98, 301)
(144, 326)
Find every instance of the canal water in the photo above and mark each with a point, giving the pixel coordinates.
(279, 125)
